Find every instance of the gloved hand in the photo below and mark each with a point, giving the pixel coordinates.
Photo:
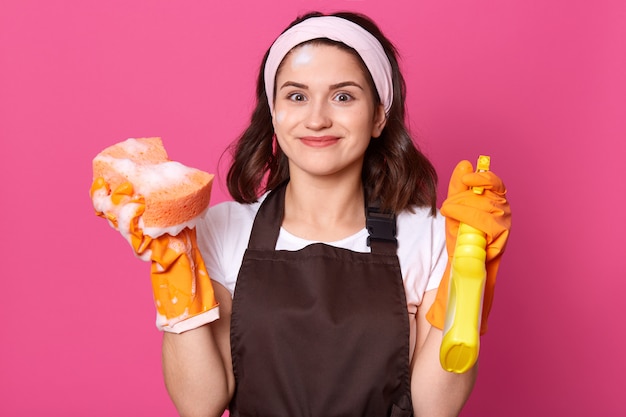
(489, 212)
(182, 289)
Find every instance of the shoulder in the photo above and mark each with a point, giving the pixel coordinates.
(420, 232)
(421, 252)
(229, 212)
(419, 222)
(227, 225)
(222, 235)
(232, 214)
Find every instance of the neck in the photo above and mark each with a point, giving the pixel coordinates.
(324, 210)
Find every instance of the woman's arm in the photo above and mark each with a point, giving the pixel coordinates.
(197, 364)
(435, 392)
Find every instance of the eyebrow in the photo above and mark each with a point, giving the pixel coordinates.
(331, 87)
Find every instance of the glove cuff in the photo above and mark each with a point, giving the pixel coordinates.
(179, 326)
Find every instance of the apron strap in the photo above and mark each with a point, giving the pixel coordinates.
(381, 227)
(268, 220)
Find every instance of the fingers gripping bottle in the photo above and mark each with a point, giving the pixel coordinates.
(461, 340)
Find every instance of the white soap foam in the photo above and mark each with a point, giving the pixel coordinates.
(149, 178)
(155, 232)
(134, 146)
(101, 201)
(303, 56)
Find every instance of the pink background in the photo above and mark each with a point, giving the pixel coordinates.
(540, 86)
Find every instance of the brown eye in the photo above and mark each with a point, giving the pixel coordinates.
(343, 97)
(296, 97)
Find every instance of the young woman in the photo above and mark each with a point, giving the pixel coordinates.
(329, 259)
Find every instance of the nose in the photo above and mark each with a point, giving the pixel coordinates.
(319, 116)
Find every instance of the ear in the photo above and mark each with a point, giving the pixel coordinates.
(380, 120)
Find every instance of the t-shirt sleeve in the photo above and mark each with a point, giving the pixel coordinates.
(439, 253)
(211, 246)
(422, 253)
(223, 236)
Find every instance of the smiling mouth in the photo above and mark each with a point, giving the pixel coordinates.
(319, 141)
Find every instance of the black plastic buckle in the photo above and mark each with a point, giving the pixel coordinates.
(380, 226)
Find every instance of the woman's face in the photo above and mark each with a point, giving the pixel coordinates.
(324, 112)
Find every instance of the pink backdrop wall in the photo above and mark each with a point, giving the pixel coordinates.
(538, 85)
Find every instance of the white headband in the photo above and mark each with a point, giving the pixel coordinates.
(340, 30)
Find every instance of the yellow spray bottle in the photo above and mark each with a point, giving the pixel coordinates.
(461, 340)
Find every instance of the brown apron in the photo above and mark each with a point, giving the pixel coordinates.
(318, 332)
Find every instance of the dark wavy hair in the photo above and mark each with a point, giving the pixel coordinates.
(396, 174)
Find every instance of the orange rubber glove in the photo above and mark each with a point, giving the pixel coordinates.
(489, 212)
(182, 289)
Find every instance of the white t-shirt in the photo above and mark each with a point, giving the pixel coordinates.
(224, 232)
